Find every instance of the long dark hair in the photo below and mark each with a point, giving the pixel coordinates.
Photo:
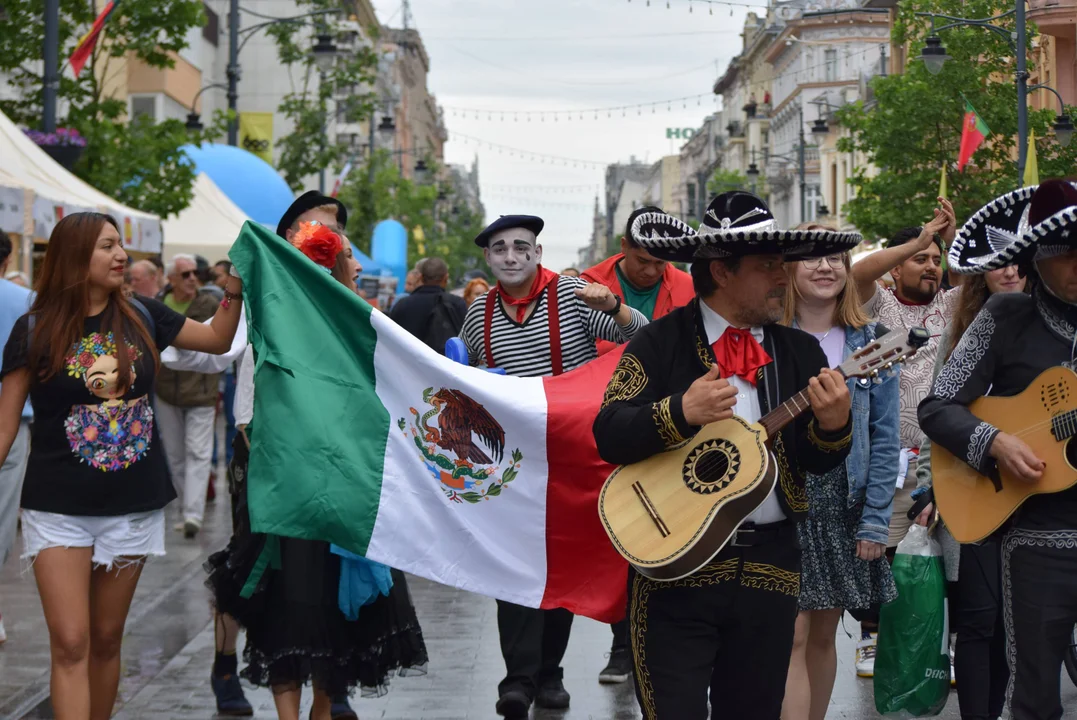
(972, 296)
(63, 301)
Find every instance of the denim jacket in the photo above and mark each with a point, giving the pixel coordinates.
(872, 464)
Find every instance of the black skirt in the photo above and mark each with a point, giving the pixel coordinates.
(296, 632)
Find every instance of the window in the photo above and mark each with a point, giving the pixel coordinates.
(212, 29)
(812, 199)
(144, 105)
(831, 65)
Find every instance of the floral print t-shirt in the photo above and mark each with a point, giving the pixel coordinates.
(94, 448)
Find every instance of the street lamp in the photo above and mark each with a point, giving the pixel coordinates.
(421, 171)
(386, 128)
(325, 53)
(194, 120)
(1063, 130)
(934, 55)
(820, 128)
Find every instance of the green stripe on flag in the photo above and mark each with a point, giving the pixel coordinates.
(316, 459)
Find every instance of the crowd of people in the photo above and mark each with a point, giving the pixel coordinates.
(114, 374)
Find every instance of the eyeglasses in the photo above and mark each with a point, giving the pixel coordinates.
(834, 261)
(187, 274)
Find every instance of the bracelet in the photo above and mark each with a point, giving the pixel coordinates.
(229, 296)
(616, 308)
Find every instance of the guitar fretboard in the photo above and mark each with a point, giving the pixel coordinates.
(785, 413)
(1064, 425)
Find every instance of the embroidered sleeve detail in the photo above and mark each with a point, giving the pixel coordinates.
(828, 445)
(796, 496)
(979, 443)
(667, 429)
(627, 382)
(966, 356)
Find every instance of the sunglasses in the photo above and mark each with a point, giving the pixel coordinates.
(187, 274)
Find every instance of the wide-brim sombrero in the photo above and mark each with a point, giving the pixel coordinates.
(1052, 219)
(992, 237)
(736, 224)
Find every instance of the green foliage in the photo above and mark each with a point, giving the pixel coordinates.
(914, 124)
(138, 164)
(724, 180)
(387, 194)
(310, 104)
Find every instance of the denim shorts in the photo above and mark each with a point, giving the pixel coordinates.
(114, 539)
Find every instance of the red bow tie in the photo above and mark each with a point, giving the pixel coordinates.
(739, 353)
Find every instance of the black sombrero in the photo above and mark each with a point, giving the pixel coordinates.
(651, 228)
(1019, 227)
(739, 223)
(991, 238)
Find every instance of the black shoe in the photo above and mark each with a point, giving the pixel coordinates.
(230, 699)
(513, 705)
(619, 668)
(340, 709)
(552, 695)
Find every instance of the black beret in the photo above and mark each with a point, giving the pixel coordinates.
(507, 222)
(309, 201)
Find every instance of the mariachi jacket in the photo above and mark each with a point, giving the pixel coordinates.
(1013, 339)
(676, 289)
(641, 414)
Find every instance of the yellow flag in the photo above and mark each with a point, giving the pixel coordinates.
(1032, 165)
(942, 183)
(256, 134)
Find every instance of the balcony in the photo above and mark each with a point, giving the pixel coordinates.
(1054, 17)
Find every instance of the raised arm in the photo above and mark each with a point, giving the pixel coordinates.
(872, 267)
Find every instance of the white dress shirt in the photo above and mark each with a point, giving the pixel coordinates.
(747, 408)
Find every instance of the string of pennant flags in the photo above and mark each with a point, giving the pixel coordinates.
(709, 4)
(514, 152)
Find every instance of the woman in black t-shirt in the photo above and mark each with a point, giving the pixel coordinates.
(96, 481)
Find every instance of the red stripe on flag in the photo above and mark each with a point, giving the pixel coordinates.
(584, 573)
(85, 47)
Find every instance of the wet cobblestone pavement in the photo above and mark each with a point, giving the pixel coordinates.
(168, 650)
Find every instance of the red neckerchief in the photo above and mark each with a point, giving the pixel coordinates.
(739, 353)
(543, 277)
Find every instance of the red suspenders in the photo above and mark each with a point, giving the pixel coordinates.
(555, 327)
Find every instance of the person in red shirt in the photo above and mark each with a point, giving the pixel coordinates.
(654, 287)
(642, 281)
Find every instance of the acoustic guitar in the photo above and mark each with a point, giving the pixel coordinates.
(1045, 417)
(671, 513)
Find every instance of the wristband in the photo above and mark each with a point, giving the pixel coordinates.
(616, 308)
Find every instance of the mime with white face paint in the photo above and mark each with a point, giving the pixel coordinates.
(535, 323)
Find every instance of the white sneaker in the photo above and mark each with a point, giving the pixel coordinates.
(3, 633)
(953, 678)
(865, 656)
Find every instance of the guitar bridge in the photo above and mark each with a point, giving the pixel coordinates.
(652, 511)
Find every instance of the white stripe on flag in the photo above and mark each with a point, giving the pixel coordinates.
(495, 547)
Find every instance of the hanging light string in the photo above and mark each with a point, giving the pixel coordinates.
(523, 201)
(568, 115)
(713, 4)
(553, 189)
(544, 158)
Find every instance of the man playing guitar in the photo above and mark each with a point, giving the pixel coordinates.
(726, 629)
(1014, 338)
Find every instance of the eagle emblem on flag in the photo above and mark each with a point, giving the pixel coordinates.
(465, 449)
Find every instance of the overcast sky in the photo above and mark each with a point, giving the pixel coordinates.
(505, 55)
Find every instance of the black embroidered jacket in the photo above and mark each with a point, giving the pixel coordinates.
(1013, 339)
(641, 415)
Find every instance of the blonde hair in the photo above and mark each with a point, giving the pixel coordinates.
(848, 312)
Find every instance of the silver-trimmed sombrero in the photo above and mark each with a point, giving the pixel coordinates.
(992, 237)
(1053, 218)
(738, 223)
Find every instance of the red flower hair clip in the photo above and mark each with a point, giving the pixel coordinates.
(319, 243)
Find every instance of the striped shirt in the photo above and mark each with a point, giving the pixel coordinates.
(524, 350)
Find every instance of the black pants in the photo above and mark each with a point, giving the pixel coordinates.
(1040, 580)
(533, 644)
(976, 616)
(726, 631)
(620, 636)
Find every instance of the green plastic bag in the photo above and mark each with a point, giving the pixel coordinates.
(912, 664)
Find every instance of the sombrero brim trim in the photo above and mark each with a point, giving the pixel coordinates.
(998, 258)
(670, 227)
(1059, 227)
(737, 242)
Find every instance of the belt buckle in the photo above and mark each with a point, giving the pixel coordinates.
(736, 537)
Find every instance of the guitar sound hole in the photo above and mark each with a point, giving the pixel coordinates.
(711, 466)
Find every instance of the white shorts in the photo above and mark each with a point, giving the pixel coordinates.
(122, 536)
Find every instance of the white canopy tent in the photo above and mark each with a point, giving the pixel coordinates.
(208, 227)
(36, 192)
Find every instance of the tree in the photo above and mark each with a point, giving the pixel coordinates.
(450, 235)
(140, 163)
(725, 180)
(307, 149)
(913, 126)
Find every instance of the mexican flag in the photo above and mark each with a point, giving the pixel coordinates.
(364, 437)
(973, 132)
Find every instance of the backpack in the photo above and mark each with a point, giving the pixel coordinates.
(444, 323)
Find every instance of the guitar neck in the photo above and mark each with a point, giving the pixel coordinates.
(785, 413)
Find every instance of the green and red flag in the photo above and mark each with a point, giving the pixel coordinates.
(82, 51)
(973, 132)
